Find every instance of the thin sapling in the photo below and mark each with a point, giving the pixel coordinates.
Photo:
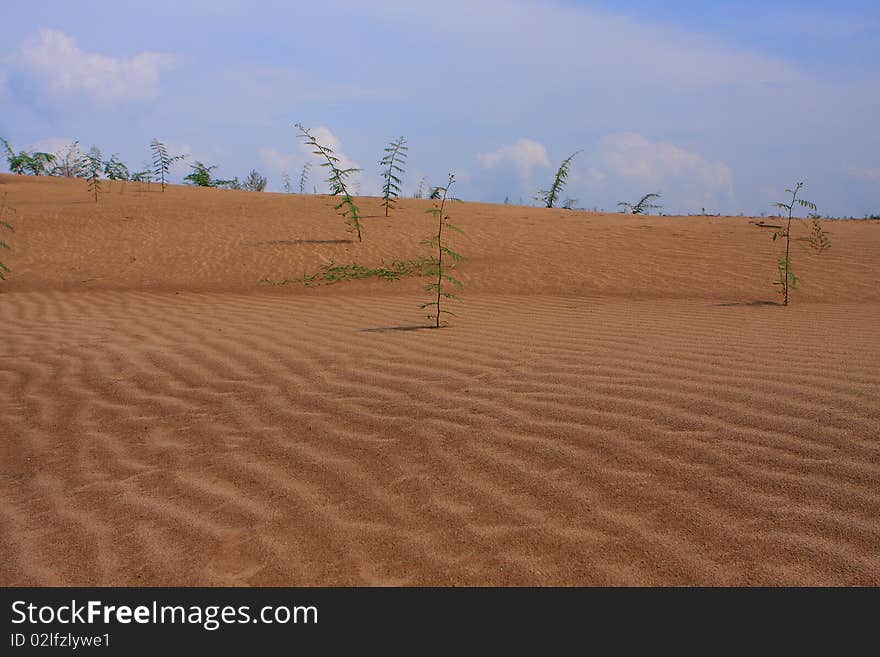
(787, 279)
(549, 197)
(304, 177)
(92, 166)
(392, 164)
(338, 179)
(441, 267)
(162, 161)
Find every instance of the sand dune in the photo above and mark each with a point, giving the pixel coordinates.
(617, 401)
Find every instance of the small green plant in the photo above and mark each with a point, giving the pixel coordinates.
(643, 206)
(254, 182)
(286, 185)
(5, 211)
(235, 183)
(304, 177)
(393, 167)
(92, 167)
(142, 177)
(438, 268)
(162, 162)
(819, 241)
(337, 179)
(201, 176)
(116, 169)
(331, 273)
(549, 197)
(27, 163)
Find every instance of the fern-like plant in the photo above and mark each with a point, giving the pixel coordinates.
(643, 206)
(337, 179)
(787, 278)
(5, 211)
(549, 197)
(437, 267)
(392, 169)
(162, 162)
(304, 177)
(92, 167)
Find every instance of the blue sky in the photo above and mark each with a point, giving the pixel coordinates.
(716, 105)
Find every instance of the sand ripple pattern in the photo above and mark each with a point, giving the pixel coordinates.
(253, 439)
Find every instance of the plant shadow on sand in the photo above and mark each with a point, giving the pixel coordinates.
(752, 304)
(276, 242)
(384, 329)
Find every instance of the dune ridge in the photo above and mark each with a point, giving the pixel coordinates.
(608, 408)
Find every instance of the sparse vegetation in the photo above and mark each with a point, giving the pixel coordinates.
(201, 176)
(6, 211)
(27, 163)
(304, 177)
(437, 267)
(116, 169)
(145, 176)
(549, 197)
(393, 163)
(818, 240)
(68, 162)
(286, 185)
(338, 178)
(423, 186)
(162, 161)
(332, 273)
(254, 182)
(643, 206)
(92, 166)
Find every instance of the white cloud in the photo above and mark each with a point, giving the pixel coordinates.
(525, 155)
(628, 164)
(631, 155)
(62, 68)
(592, 177)
(275, 160)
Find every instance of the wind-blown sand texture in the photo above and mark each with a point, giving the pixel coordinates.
(617, 401)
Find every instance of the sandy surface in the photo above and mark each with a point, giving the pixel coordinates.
(617, 402)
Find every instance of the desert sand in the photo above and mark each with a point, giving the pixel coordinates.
(619, 400)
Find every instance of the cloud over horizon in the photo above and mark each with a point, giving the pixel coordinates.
(54, 62)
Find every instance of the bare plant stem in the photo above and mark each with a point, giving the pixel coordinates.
(440, 252)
